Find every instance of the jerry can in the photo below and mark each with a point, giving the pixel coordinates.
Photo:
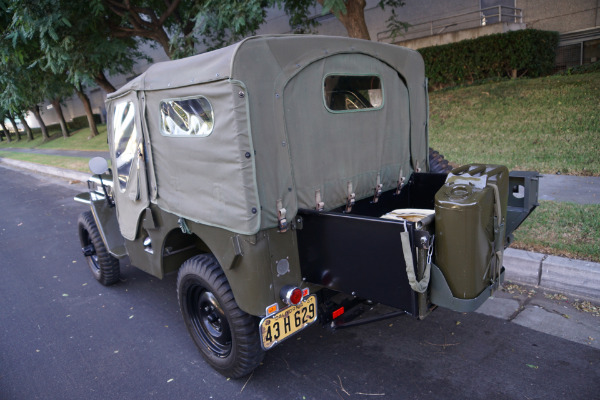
(470, 226)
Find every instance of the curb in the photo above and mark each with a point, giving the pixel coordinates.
(45, 169)
(575, 277)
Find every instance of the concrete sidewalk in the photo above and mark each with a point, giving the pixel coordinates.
(575, 189)
(575, 277)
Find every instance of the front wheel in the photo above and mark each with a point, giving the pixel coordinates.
(227, 337)
(104, 266)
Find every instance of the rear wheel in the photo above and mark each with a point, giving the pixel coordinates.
(104, 267)
(227, 337)
(437, 163)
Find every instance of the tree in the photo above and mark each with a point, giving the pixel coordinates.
(224, 22)
(220, 23)
(15, 126)
(148, 19)
(72, 47)
(22, 83)
(177, 25)
(26, 126)
(75, 41)
(6, 132)
(351, 14)
(58, 88)
(88, 110)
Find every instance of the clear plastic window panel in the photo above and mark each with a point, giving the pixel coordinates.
(125, 140)
(352, 93)
(186, 117)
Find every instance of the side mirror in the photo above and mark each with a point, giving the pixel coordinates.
(98, 165)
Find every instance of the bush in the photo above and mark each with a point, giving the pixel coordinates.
(82, 122)
(73, 125)
(526, 52)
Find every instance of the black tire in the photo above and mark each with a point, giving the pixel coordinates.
(227, 337)
(437, 163)
(104, 267)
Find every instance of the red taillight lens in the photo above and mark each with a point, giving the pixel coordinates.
(338, 312)
(296, 296)
(291, 295)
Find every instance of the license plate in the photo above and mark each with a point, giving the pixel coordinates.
(278, 327)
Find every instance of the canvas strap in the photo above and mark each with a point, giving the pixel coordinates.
(417, 286)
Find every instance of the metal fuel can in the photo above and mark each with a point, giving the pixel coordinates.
(470, 218)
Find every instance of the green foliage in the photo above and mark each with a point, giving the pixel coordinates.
(336, 7)
(301, 13)
(563, 229)
(74, 41)
(224, 22)
(582, 69)
(549, 124)
(526, 52)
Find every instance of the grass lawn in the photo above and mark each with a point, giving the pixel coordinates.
(549, 124)
(79, 140)
(562, 229)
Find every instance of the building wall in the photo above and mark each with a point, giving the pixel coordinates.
(560, 15)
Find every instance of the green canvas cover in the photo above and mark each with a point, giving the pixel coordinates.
(274, 138)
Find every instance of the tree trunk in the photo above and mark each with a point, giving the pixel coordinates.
(61, 117)
(27, 128)
(88, 111)
(103, 82)
(6, 132)
(163, 39)
(14, 124)
(354, 19)
(36, 112)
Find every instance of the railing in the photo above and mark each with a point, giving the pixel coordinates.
(457, 22)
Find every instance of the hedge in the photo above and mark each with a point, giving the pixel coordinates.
(73, 125)
(82, 122)
(527, 52)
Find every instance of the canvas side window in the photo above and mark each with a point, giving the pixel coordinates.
(352, 93)
(186, 117)
(125, 140)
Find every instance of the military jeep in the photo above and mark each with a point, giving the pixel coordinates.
(288, 179)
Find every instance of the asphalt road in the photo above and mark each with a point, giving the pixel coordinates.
(64, 336)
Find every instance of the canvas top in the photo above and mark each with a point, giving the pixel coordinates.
(285, 126)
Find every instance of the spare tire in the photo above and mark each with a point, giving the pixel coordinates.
(437, 163)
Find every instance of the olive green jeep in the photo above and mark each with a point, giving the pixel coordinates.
(288, 179)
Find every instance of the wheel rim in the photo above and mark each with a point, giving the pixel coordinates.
(92, 260)
(208, 320)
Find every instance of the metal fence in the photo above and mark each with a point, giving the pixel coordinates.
(457, 22)
(573, 53)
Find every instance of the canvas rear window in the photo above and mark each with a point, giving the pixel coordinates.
(186, 117)
(344, 93)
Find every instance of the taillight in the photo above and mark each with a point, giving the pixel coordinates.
(291, 295)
